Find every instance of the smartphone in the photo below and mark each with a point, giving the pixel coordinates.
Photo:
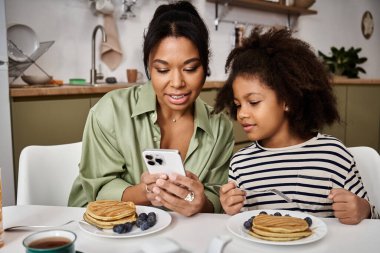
(164, 161)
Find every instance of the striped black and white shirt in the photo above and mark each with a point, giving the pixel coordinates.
(306, 173)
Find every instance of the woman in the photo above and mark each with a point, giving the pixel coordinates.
(164, 113)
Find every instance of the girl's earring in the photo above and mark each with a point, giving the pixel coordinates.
(286, 108)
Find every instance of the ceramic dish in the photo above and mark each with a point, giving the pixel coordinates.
(163, 220)
(235, 226)
(34, 79)
(25, 39)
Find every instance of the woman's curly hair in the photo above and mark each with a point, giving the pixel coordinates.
(290, 68)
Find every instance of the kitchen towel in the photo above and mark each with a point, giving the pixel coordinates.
(111, 53)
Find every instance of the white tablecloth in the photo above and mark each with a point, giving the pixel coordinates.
(194, 234)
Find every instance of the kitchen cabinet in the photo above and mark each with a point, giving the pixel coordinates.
(338, 130)
(359, 108)
(363, 116)
(48, 120)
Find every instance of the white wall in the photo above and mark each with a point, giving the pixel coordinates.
(338, 23)
(70, 23)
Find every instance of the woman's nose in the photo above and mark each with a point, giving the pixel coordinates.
(177, 80)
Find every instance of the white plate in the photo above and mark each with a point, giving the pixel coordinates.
(25, 39)
(163, 220)
(235, 226)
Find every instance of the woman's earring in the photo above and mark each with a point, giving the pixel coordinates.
(286, 108)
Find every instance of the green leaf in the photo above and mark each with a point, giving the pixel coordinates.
(344, 62)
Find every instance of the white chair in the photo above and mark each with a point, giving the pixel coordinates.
(368, 164)
(46, 174)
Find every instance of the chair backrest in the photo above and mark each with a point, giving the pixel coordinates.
(368, 163)
(46, 174)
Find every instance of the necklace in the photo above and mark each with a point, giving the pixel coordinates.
(174, 120)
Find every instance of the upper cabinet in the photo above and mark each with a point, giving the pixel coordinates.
(277, 7)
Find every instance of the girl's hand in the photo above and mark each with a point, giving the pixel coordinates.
(348, 207)
(149, 180)
(171, 193)
(231, 198)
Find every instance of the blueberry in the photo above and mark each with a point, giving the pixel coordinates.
(287, 215)
(143, 216)
(120, 229)
(128, 227)
(309, 221)
(263, 212)
(248, 224)
(251, 219)
(151, 220)
(144, 225)
(277, 214)
(152, 214)
(138, 222)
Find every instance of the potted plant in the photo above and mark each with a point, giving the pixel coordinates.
(344, 62)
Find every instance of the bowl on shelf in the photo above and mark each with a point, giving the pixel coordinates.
(36, 79)
(304, 4)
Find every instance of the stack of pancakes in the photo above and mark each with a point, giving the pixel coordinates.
(279, 228)
(108, 213)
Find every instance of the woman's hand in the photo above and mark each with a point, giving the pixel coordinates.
(149, 180)
(348, 207)
(172, 193)
(231, 198)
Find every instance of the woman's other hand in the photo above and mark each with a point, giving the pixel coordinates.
(231, 198)
(149, 180)
(182, 194)
(348, 207)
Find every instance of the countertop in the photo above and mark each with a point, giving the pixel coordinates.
(54, 90)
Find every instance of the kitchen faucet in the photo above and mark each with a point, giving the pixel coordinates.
(104, 38)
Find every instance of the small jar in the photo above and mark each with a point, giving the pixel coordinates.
(239, 35)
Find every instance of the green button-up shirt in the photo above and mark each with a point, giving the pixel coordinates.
(124, 123)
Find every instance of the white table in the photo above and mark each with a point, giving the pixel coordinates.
(194, 234)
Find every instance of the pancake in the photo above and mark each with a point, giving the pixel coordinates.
(110, 210)
(108, 224)
(282, 235)
(279, 224)
(279, 228)
(277, 239)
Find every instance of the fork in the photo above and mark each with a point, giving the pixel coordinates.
(37, 226)
(91, 225)
(275, 191)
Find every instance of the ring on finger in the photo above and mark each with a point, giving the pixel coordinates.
(147, 190)
(189, 197)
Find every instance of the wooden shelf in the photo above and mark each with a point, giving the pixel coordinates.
(267, 6)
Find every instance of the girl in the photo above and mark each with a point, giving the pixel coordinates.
(164, 113)
(279, 92)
